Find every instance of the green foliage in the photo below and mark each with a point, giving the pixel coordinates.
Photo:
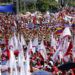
(5, 1)
(30, 7)
(9, 0)
(72, 3)
(53, 6)
(42, 5)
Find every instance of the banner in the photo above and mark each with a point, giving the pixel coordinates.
(6, 8)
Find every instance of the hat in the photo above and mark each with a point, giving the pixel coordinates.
(16, 52)
(51, 63)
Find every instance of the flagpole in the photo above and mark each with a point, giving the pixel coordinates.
(11, 71)
(0, 70)
(0, 61)
(24, 6)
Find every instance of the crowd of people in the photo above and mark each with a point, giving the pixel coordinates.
(49, 28)
(37, 20)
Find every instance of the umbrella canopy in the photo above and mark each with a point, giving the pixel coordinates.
(67, 66)
(41, 72)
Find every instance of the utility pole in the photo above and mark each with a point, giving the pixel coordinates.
(17, 6)
(34, 5)
(62, 3)
(12, 1)
(24, 6)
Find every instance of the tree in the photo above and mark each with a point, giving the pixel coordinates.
(42, 5)
(71, 3)
(30, 7)
(53, 6)
(5, 1)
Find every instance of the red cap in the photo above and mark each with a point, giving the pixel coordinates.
(16, 52)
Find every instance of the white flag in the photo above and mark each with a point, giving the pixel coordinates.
(0, 69)
(11, 44)
(66, 32)
(21, 64)
(30, 46)
(53, 42)
(27, 64)
(55, 56)
(35, 44)
(42, 50)
(15, 40)
(12, 64)
(21, 51)
(23, 40)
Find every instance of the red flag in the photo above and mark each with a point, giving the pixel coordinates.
(6, 53)
(69, 50)
(34, 20)
(6, 41)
